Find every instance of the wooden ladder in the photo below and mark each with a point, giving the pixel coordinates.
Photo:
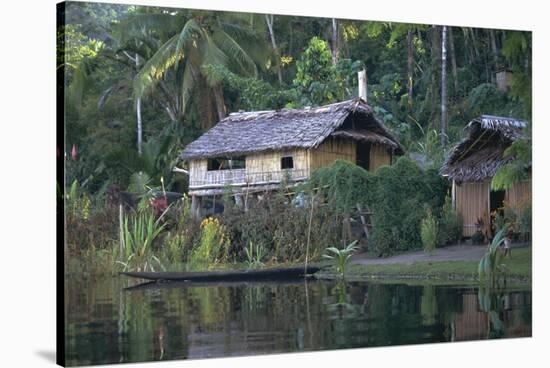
(365, 216)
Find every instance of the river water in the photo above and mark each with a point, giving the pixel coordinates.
(108, 323)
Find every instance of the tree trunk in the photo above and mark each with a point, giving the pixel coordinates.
(474, 44)
(219, 101)
(443, 87)
(335, 46)
(453, 60)
(138, 116)
(495, 53)
(207, 111)
(410, 69)
(467, 45)
(269, 21)
(436, 70)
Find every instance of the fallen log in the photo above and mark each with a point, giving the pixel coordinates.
(241, 275)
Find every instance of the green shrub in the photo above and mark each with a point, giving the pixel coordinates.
(280, 227)
(478, 237)
(396, 195)
(428, 233)
(450, 224)
(213, 246)
(183, 232)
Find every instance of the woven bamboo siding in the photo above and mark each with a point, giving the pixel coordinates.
(260, 169)
(197, 170)
(330, 151)
(264, 167)
(379, 156)
(519, 195)
(472, 202)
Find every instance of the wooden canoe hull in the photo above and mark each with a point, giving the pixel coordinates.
(244, 275)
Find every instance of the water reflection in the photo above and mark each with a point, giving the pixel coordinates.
(107, 324)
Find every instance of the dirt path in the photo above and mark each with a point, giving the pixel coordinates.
(451, 253)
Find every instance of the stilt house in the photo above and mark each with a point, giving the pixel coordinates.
(255, 151)
(473, 163)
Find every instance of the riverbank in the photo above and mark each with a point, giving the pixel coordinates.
(457, 263)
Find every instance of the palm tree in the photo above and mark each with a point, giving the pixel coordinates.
(191, 41)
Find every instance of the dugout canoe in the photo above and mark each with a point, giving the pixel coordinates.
(240, 275)
(174, 284)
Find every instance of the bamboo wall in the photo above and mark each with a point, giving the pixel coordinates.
(330, 151)
(519, 195)
(271, 161)
(379, 156)
(472, 202)
(262, 168)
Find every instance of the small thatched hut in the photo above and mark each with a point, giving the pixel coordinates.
(473, 163)
(254, 151)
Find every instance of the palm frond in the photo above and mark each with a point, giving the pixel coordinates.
(139, 182)
(155, 68)
(190, 75)
(212, 54)
(136, 24)
(252, 39)
(185, 37)
(234, 51)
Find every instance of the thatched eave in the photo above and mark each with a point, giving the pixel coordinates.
(478, 156)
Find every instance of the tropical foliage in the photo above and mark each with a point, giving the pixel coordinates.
(490, 266)
(142, 82)
(340, 257)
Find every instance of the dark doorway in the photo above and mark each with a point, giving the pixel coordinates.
(363, 155)
(497, 200)
(496, 205)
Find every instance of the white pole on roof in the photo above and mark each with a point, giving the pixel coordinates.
(362, 82)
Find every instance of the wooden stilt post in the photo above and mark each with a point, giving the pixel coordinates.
(239, 200)
(195, 207)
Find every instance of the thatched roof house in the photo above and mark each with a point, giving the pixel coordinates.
(472, 164)
(258, 149)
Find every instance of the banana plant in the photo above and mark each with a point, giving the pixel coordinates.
(341, 257)
(490, 265)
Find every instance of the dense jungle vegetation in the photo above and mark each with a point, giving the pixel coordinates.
(142, 82)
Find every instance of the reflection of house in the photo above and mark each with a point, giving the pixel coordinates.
(473, 163)
(256, 151)
(471, 323)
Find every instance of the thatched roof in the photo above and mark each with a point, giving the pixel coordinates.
(480, 154)
(259, 131)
